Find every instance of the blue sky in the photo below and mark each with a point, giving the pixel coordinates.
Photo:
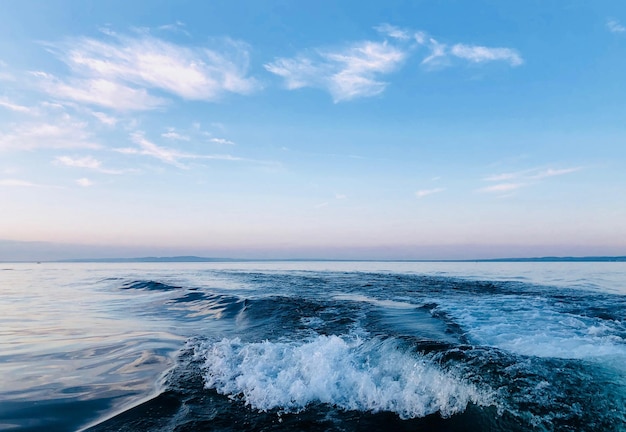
(400, 129)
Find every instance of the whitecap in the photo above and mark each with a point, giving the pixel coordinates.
(535, 327)
(348, 372)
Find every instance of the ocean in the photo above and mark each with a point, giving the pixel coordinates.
(313, 346)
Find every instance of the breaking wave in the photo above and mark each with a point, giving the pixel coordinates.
(347, 372)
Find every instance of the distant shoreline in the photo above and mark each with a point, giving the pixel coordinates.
(197, 259)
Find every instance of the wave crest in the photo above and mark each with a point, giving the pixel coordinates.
(347, 372)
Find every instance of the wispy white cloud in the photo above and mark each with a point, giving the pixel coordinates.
(177, 27)
(441, 54)
(173, 135)
(53, 106)
(62, 132)
(105, 118)
(550, 172)
(510, 181)
(87, 162)
(502, 187)
(340, 196)
(425, 192)
(420, 37)
(346, 73)
(507, 176)
(531, 174)
(148, 148)
(119, 71)
(102, 92)
(196, 133)
(614, 26)
(438, 53)
(49, 110)
(84, 182)
(360, 67)
(298, 72)
(357, 69)
(169, 155)
(393, 31)
(221, 141)
(482, 54)
(5, 103)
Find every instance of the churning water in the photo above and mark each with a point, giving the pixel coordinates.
(313, 346)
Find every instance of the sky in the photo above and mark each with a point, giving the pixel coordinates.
(328, 129)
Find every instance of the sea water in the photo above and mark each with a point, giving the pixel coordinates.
(313, 346)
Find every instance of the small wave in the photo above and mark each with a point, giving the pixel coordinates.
(202, 304)
(347, 372)
(148, 285)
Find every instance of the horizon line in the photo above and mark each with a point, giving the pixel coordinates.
(200, 259)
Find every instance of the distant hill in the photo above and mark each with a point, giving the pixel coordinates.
(560, 259)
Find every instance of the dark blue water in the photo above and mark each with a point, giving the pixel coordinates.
(313, 346)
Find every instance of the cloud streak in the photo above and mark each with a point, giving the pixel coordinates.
(614, 26)
(511, 181)
(357, 69)
(121, 72)
(346, 73)
(502, 187)
(438, 52)
(482, 54)
(104, 118)
(168, 155)
(172, 135)
(531, 174)
(15, 107)
(393, 32)
(221, 141)
(425, 192)
(101, 92)
(87, 162)
(550, 172)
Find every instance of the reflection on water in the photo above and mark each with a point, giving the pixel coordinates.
(71, 343)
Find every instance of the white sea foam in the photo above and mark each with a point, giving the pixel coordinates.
(347, 372)
(532, 326)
